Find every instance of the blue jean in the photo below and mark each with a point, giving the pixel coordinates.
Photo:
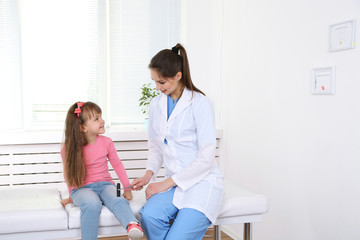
(90, 199)
(189, 224)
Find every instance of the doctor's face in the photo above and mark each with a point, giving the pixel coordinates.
(171, 85)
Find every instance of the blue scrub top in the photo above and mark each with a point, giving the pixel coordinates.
(170, 107)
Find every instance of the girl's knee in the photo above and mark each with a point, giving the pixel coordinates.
(91, 206)
(121, 200)
(116, 203)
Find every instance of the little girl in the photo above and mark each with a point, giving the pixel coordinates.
(85, 154)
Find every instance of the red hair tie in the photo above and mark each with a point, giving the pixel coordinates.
(78, 109)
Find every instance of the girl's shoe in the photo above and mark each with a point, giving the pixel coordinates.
(134, 231)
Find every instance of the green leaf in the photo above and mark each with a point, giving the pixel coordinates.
(147, 94)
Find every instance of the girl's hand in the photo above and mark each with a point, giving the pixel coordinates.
(66, 201)
(139, 183)
(128, 195)
(159, 187)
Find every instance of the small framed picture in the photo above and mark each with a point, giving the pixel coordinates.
(342, 36)
(323, 81)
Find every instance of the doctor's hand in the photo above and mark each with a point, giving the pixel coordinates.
(139, 183)
(159, 187)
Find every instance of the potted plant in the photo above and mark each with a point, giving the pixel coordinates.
(147, 94)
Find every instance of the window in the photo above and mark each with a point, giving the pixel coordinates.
(63, 51)
(10, 82)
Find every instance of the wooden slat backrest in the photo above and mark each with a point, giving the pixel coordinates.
(41, 164)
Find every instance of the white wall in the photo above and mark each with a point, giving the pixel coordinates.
(201, 23)
(254, 60)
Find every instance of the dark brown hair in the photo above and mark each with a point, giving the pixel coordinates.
(75, 140)
(169, 62)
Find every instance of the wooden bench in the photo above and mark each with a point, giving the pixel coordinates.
(31, 165)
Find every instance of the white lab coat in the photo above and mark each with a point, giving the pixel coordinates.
(189, 155)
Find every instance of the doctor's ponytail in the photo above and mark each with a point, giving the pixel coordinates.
(169, 62)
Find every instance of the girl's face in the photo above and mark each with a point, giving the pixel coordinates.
(94, 125)
(167, 86)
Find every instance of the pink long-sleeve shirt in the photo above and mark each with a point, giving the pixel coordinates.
(96, 156)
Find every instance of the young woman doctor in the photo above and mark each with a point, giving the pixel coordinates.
(182, 138)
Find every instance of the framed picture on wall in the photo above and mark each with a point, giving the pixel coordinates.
(342, 36)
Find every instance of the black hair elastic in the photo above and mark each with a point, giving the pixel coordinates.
(175, 50)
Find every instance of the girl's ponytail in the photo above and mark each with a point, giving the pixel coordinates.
(75, 140)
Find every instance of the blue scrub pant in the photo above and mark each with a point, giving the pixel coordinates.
(90, 199)
(158, 212)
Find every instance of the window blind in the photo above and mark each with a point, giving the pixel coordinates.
(63, 51)
(61, 54)
(10, 81)
(138, 30)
